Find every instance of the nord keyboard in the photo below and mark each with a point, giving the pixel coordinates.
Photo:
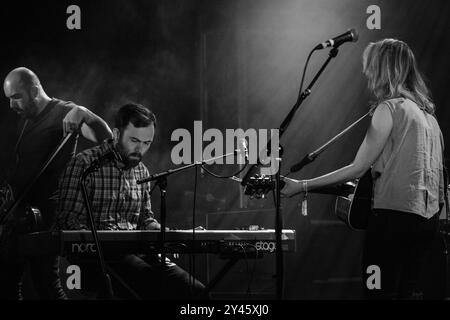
(147, 241)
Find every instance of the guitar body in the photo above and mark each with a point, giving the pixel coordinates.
(356, 208)
(29, 220)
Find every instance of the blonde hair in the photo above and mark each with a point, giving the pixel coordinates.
(391, 71)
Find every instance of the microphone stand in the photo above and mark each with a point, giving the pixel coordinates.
(278, 217)
(161, 181)
(107, 279)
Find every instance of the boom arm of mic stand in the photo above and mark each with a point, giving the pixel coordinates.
(169, 172)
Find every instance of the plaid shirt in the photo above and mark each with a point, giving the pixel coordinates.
(117, 201)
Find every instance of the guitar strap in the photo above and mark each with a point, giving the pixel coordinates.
(6, 215)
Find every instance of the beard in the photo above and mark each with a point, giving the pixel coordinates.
(130, 160)
(28, 111)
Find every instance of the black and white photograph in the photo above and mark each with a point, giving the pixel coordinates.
(224, 156)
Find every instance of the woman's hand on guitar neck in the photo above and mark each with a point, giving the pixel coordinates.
(292, 187)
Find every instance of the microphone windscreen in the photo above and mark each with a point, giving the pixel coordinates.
(355, 34)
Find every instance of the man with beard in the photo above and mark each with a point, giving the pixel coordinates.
(43, 123)
(119, 203)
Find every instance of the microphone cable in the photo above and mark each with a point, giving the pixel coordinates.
(304, 73)
(215, 175)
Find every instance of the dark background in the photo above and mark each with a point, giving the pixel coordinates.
(231, 64)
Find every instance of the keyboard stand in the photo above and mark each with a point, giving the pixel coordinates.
(232, 260)
(222, 272)
(123, 283)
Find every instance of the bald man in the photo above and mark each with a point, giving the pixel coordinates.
(43, 123)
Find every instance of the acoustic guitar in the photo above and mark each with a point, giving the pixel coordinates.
(355, 209)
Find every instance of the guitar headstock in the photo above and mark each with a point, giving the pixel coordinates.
(259, 185)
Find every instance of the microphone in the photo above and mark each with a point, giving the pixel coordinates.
(350, 36)
(306, 160)
(243, 148)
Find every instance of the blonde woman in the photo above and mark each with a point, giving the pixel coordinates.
(403, 147)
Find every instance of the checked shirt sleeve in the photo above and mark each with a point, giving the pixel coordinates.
(71, 213)
(148, 217)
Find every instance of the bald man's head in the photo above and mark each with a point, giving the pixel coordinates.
(23, 88)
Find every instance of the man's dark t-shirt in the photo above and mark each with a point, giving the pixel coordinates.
(37, 139)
